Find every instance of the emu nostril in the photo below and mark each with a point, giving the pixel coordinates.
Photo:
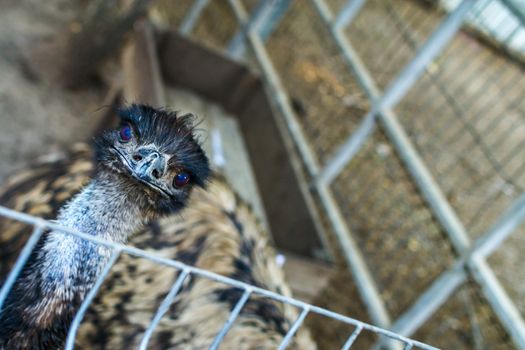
(137, 157)
(155, 173)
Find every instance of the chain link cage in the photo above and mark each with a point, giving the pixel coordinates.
(408, 116)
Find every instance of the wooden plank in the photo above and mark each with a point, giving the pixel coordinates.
(142, 77)
(224, 144)
(235, 88)
(306, 277)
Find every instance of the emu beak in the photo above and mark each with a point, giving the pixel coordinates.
(149, 165)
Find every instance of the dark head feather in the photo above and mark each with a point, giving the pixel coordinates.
(171, 137)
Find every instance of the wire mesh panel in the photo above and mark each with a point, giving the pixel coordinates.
(212, 23)
(465, 115)
(185, 271)
(386, 34)
(441, 170)
(466, 321)
(404, 246)
(325, 96)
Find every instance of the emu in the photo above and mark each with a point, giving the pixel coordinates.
(145, 170)
(217, 231)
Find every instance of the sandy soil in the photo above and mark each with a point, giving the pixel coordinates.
(36, 116)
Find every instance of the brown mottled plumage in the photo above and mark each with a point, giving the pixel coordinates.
(217, 232)
(145, 170)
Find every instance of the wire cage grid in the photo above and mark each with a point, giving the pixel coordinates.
(398, 87)
(116, 249)
(392, 125)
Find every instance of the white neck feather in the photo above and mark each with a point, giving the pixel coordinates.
(69, 265)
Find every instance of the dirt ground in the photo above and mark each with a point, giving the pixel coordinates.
(36, 117)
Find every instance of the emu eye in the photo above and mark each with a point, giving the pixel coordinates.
(181, 179)
(125, 133)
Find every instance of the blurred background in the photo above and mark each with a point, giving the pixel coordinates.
(380, 141)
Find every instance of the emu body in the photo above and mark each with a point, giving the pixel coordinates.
(217, 231)
(127, 190)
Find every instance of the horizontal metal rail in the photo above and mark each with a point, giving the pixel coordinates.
(117, 249)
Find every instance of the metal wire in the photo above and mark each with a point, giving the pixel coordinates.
(24, 256)
(231, 319)
(118, 249)
(477, 120)
(70, 341)
(352, 338)
(163, 308)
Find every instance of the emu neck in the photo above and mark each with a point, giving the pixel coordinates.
(64, 268)
(103, 209)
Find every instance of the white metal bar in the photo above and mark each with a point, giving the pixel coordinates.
(426, 54)
(70, 341)
(426, 183)
(21, 261)
(352, 338)
(163, 308)
(348, 150)
(237, 47)
(263, 20)
(350, 55)
(189, 21)
(499, 300)
(367, 288)
(298, 149)
(348, 13)
(233, 316)
(291, 332)
(206, 274)
(404, 80)
(275, 85)
(364, 280)
(428, 302)
(511, 219)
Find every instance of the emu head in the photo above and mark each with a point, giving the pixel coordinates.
(156, 155)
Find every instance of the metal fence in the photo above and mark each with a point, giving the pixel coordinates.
(407, 117)
(116, 250)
